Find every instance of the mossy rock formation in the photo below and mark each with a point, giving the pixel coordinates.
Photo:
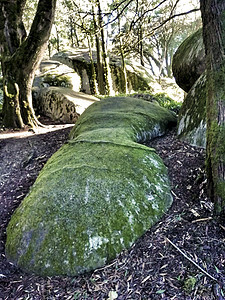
(192, 115)
(189, 61)
(61, 104)
(137, 76)
(189, 72)
(97, 194)
(54, 73)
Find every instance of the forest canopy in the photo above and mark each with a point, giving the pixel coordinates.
(147, 31)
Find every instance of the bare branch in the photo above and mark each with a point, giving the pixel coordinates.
(192, 261)
(147, 11)
(174, 16)
(119, 14)
(164, 22)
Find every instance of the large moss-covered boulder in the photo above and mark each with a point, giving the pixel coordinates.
(97, 194)
(192, 115)
(189, 61)
(189, 72)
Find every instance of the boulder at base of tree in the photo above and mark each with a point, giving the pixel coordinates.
(192, 116)
(61, 104)
(189, 61)
(97, 194)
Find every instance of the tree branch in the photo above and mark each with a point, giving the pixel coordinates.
(174, 16)
(40, 30)
(147, 11)
(164, 22)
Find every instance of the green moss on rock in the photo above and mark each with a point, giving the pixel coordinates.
(97, 194)
(189, 61)
(192, 116)
(137, 76)
(58, 80)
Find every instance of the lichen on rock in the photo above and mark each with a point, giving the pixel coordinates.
(189, 61)
(192, 116)
(189, 71)
(97, 194)
(54, 73)
(137, 76)
(61, 104)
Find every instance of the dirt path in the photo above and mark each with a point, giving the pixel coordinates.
(152, 268)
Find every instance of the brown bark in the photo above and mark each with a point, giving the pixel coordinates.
(141, 48)
(101, 86)
(213, 17)
(94, 85)
(125, 85)
(20, 57)
(104, 52)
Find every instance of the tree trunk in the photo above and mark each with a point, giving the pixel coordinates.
(106, 68)
(125, 86)
(213, 17)
(17, 98)
(101, 86)
(71, 32)
(141, 50)
(20, 57)
(169, 56)
(57, 39)
(94, 86)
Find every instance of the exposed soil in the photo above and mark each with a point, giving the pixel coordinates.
(153, 268)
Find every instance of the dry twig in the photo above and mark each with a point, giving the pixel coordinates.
(192, 261)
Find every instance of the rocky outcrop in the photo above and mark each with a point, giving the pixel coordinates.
(61, 104)
(60, 84)
(189, 72)
(97, 194)
(56, 92)
(137, 77)
(54, 73)
(189, 61)
(192, 115)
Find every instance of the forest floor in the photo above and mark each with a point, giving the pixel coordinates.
(153, 268)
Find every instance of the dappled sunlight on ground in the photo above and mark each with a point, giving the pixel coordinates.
(16, 134)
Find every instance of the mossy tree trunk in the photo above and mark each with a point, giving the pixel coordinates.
(106, 68)
(213, 17)
(94, 85)
(101, 86)
(141, 48)
(125, 87)
(20, 57)
(73, 34)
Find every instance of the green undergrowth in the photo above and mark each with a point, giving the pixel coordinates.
(167, 102)
(161, 98)
(97, 194)
(58, 80)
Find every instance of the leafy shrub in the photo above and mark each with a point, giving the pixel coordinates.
(167, 102)
(57, 80)
(162, 99)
